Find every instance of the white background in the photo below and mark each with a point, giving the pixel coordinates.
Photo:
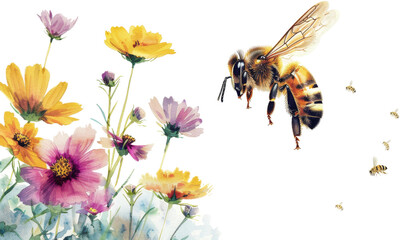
(262, 188)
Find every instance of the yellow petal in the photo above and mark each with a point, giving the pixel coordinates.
(153, 51)
(15, 83)
(4, 88)
(119, 39)
(11, 122)
(36, 81)
(60, 113)
(29, 157)
(54, 95)
(137, 33)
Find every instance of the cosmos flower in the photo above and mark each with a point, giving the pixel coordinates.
(70, 175)
(175, 186)
(97, 202)
(137, 45)
(57, 25)
(177, 118)
(20, 141)
(30, 97)
(125, 145)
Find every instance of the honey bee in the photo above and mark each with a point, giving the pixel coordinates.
(261, 68)
(339, 206)
(350, 88)
(395, 114)
(386, 144)
(377, 168)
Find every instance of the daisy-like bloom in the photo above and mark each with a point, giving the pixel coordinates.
(177, 118)
(30, 97)
(137, 45)
(57, 25)
(97, 202)
(174, 186)
(20, 141)
(125, 145)
(70, 176)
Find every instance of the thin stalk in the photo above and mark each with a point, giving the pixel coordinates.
(165, 219)
(130, 221)
(183, 221)
(12, 172)
(57, 225)
(119, 171)
(47, 54)
(108, 124)
(165, 151)
(40, 228)
(111, 172)
(126, 99)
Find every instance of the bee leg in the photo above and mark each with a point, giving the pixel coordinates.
(271, 105)
(249, 95)
(293, 110)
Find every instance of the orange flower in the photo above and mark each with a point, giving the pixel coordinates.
(30, 97)
(174, 186)
(137, 45)
(20, 141)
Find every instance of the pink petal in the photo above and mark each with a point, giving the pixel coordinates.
(157, 110)
(170, 109)
(47, 151)
(29, 195)
(106, 142)
(139, 152)
(193, 133)
(93, 160)
(34, 176)
(80, 142)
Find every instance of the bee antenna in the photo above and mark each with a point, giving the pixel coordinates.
(222, 92)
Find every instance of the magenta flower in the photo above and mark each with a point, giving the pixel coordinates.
(97, 202)
(70, 175)
(108, 78)
(57, 25)
(177, 118)
(125, 145)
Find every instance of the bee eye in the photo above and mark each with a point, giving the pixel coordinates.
(262, 57)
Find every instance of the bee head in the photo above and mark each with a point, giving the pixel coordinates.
(239, 77)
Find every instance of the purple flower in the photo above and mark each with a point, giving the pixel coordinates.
(97, 202)
(57, 25)
(125, 145)
(190, 211)
(177, 118)
(108, 78)
(137, 115)
(70, 175)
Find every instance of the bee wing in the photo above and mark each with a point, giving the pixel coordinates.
(305, 32)
(375, 160)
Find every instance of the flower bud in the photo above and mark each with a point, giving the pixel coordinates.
(137, 115)
(108, 78)
(190, 211)
(130, 190)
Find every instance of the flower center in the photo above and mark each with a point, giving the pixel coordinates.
(93, 210)
(22, 140)
(137, 43)
(62, 168)
(126, 139)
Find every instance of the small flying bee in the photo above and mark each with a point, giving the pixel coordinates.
(262, 68)
(350, 88)
(395, 114)
(386, 144)
(377, 168)
(339, 206)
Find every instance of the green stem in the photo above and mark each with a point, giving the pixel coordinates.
(57, 225)
(183, 221)
(165, 219)
(111, 172)
(130, 221)
(40, 228)
(140, 222)
(12, 172)
(108, 125)
(119, 171)
(126, 99)
(47, 54)
(165, 151)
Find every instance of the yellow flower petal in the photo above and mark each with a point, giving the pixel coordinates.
(15, 82)
(153, 51)
(36, 81)
(4, 88)
(54, 95)
(60, 113)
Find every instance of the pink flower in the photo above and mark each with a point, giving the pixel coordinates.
(125, 145)
(57, 25)
(177, 118)
(70, 176)
(97, 202)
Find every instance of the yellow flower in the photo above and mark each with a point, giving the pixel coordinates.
(31, 100)
(21, 141)
(138, 44)
(175, 186)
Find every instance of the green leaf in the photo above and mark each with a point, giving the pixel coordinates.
(7, 191)
(102, 112)
(4, 163)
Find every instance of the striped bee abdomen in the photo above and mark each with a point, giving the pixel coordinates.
(306, 94)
